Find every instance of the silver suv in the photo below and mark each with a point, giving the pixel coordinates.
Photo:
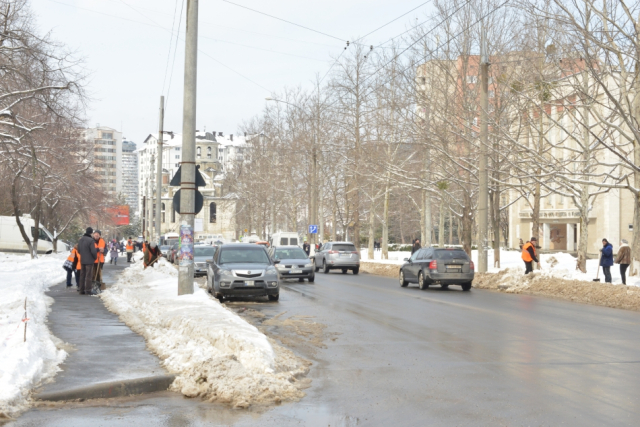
(337, 256)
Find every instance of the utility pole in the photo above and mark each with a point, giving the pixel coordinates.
(159, 174)
(188, 171)
(144, 216)
(483, 176)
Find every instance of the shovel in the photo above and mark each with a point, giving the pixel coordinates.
(597, 279)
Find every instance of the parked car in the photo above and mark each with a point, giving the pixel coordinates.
(339, 256)
(171, 256)
(284, 238)
(11, 239)
(202, 254)
(444, 267)
(243, 270)
(293, 263)
(164, 249)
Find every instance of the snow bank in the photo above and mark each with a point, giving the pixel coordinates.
(25, 364)
(214, 353)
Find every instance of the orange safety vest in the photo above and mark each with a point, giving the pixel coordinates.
(526, 256)
(129, 245)
(100, 245)
(74, 254)
(79, 266)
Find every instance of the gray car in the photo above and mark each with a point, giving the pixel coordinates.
(432, 266)
(293, 263)
(337, 256)
(201, 255)
(243, 270)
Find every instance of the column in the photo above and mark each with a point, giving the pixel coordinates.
(570, 238)
(546, 233)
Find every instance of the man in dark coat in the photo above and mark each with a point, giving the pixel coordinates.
(606, 260)
(306, 247)
(416, 246)
(88, 254)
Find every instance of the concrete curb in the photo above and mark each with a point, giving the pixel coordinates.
(111, 389)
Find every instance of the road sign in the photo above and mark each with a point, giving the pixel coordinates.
(199, 202)
(313, 229)
(175, 181)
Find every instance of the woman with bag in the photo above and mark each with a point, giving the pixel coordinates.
(114, 254)
(624, 259)
(72, 261)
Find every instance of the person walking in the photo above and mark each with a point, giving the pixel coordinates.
(88, 255)
(129, 249)
(416, 246)
(624, 259)
(151, 254)
(306, 247)
(529, 255)
(74, 259)
(101, 248)
(606, 260)
(114, 254)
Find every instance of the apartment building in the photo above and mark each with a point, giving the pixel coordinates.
(129, 175)
(105, 144)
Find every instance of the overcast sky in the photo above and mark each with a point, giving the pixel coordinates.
(126, 48)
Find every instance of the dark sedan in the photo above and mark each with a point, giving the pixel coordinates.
(432, 266)
(293, 263)
(243, 270)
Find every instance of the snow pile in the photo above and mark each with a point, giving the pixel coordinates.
(25, 364)
(215, 354)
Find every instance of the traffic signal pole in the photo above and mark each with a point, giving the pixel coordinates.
(188, 174)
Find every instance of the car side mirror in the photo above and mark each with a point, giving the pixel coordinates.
(276, 261)
(407, 259)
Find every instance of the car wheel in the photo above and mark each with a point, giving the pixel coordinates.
(220, 298)
(275, 297)
(315, 266)
(344, 271)
(325, 268)
(403, 282)
(466, 286)
(422, 284)
(356, 270)
(312, 278)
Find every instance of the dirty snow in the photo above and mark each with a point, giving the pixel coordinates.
(215, 354)
(26, 364)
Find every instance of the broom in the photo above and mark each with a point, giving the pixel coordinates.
(597, 279)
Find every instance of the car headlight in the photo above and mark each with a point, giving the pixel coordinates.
(272, 284)
(225, 284)
(309, 265)
(225, 272)
(279, 267)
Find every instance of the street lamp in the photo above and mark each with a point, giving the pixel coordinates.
(314, 175)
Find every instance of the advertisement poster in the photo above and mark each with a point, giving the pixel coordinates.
(119, 215)
(186, 245)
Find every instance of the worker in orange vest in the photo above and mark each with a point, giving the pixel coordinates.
(529, 255)
(101, 247)
(74, 259)
(129, 249)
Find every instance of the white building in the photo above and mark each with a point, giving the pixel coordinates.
(129, 175)
(105, 144)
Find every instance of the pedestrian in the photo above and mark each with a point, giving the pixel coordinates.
(101, 248)
(114, 254)
(151, 254)
(88, 255)
(606, 259)
(521, 244)
(306, 247)
(529, 255)
(129, 249)
(624, 259)
(416, 246)
(74, 259)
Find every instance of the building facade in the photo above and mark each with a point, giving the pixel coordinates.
(105, 144)
(129, 175)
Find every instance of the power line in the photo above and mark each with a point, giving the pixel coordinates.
(173, 65)
(394, 20)
(283, 20)
(173, 23)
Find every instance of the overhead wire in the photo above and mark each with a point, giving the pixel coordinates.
(173, 23)
(173, 65)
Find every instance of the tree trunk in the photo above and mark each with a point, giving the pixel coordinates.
(427, 220)
(441, 224)
(333, 220)
(423, 225)
(495, 200)
(385, 222)
(450, 228)
(581, 262)
(372, 225)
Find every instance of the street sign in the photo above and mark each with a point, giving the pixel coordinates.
(199, 202)
(175, 181)
(313, 229)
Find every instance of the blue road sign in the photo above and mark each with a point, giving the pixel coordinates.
(313, 229)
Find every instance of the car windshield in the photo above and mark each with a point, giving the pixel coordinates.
(201, 251)
(164, 247)
(448, 254)
(289, 253)
(343, 248)
(244, 255)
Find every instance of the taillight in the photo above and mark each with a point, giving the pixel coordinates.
(334, 252)
(472, 265)
(355, 252)
(433, 265)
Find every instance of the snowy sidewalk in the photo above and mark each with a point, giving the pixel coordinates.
(101, 348)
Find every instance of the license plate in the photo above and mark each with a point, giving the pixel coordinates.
(345, 255)
(295, 271)
(249, 283)
(454, 267)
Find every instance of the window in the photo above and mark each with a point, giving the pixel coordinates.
(173, 214)
(163, 213)
(472, 79)
(208, 152)
(177, 149)
(177, 156)
(107, 135)
(284, 241)
(212, 213)
(198, 152)
(177, 165)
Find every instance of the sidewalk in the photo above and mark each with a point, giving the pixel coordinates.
(104, 349)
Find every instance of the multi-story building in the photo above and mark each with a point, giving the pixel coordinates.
(129, 175)
(106, 147)
(218, 213)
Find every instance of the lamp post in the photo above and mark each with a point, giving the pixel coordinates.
(314, 175)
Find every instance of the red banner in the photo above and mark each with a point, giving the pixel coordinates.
(119, 215)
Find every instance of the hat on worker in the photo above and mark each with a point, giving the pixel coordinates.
(99, 232)
(534, 239)
(153, 245)
(89, 230)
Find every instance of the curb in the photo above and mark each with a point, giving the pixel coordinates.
(111, 389)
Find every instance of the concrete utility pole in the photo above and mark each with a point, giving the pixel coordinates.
(188, 171)
(483, 176)
(159, 174)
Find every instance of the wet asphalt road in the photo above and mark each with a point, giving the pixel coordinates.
(405, 357)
